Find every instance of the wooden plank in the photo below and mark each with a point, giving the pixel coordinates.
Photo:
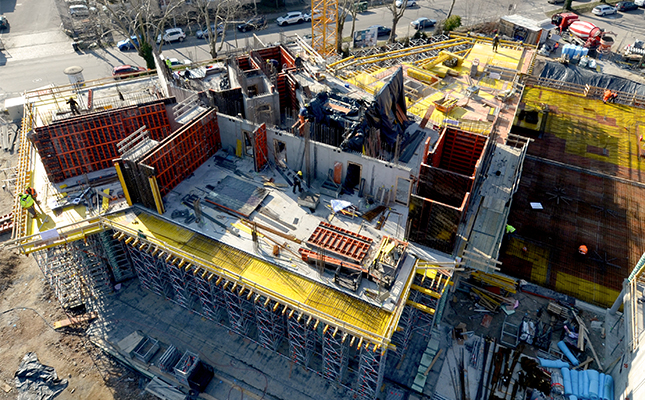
(75, 320)
(434, 360)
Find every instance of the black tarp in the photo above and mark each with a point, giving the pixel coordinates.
(383, 115)
(35, 381)
(585, 76)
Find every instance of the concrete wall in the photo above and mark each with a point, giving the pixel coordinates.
(323, 157)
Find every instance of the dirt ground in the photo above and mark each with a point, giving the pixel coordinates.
(28, 309)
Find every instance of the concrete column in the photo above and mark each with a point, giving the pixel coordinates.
(619, 299)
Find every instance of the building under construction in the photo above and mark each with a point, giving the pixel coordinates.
(412, 163)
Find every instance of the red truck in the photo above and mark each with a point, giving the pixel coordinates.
(582, 33)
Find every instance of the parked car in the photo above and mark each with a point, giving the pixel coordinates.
(128, 44)
(604, 9)
(293, 17)
(204, 33)
(555, 1)
(381, 30)
(4, 23)
(79, 10)
(254, 23)
(172, 35)
(626, 6)
(640, 3)
(422, 23)
(409, 3)
(124, 71)
(308, 16)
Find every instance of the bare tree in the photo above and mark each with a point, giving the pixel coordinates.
(222, 13)
(397, 13)
(343, 10)
(141, 18)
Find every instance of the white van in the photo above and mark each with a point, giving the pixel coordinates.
(79, 10)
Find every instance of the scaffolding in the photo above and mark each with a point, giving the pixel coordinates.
(240, 310)
(335, 354)
(370, 371)
(270, 323)
(210, 295)
(260, 316)
(302, 338)
(76, 271)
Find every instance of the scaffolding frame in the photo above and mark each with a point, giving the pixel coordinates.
(370, 371)
(210, 295)
(270, 323)
(240, 310)
(302, 338)
(335, 354)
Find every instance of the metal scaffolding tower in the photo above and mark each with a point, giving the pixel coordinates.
(116, 256)
(335, 354)
(210, 295)
(370, 371)
(302, 338)
(240, 310)
(270, 323)
(324, 17)
(77, 271)
(151, 273)
(57, 264)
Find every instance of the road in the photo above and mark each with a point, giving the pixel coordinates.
(37, 51)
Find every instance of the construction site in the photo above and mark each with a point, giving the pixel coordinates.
(400, 223)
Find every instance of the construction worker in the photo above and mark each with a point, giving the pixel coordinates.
(297, 182)
(299, 64)
(583, 250)
(495, 42)
(73, 106)
(510, 229)
(28, 203)
(609, 96)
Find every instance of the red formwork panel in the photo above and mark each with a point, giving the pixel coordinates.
(340, 241)
(184, 151)
(461, 151)
(87, 143)
(260, 148)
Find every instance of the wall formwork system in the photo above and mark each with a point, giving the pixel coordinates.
(87, 143)
(259, 318)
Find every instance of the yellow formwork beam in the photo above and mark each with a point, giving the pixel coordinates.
(428, 292)
(393, 55)
(419, 306)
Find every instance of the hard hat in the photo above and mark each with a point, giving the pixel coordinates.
(299, 173)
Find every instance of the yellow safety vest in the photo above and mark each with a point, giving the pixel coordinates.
(26, 201)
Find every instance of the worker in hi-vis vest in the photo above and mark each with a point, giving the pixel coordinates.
(28, 203)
